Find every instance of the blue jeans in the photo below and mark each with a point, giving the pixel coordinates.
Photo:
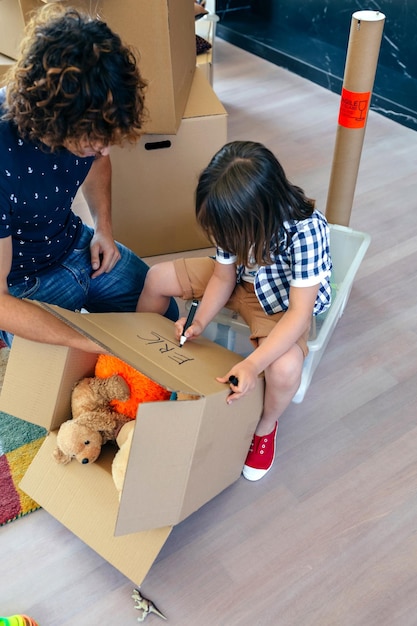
(69, 285)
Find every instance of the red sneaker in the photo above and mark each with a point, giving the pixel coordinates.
(260, 456)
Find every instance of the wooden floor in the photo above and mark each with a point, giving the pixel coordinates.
(329, 537)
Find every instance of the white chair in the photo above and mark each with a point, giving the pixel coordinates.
(348, 247)
(206, 28)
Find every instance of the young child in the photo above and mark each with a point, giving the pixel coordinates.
(272, 267)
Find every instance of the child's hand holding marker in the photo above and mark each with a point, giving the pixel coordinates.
(241, 378)
(188, 322)
(248, 375)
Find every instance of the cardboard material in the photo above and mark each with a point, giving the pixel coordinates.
(183, 452)
(154, 182)
(361, 62)
(13, 17)
(163, 33)
(5, 63)
(85, 503)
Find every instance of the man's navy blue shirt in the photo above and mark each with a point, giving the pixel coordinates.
(37, 189)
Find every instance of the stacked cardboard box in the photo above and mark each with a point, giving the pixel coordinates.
(183, 452)
(153, 186)
(13, 16)
(5, 63)
(154, 182)
(163, 33)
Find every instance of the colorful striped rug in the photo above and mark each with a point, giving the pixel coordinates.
(19, 442)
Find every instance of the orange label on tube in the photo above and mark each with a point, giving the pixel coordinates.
(353, 108)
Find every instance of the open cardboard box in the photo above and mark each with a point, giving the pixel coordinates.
(183, 453)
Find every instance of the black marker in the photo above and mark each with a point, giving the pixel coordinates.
(191, 313)
(234, 380)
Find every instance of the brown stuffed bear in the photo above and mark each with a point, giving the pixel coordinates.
(94, 421)
(104, 409)
(118, 468)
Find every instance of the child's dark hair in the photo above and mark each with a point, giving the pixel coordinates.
(243, 198)
(74, 79)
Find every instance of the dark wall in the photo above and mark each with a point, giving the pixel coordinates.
(310, 38)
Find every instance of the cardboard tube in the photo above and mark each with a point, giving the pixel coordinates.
(361, 62)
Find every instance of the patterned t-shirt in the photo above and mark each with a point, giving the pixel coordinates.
(37, 188)
(301, 259)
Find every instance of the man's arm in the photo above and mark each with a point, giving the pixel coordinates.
(26, 319)
(97, 193)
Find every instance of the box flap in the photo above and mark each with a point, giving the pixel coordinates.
(183, 454)
(163, 446)
(48, 373)
(84, 500)
(202, 99)
(147, 342)
(163, 33)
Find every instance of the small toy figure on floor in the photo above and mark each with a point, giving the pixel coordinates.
(145, 605)
(18, 620)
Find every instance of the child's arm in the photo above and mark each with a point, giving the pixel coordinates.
(217, 293)
(295, 321)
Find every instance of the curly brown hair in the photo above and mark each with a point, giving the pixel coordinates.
(75, 79)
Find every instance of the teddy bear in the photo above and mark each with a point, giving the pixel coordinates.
(119, 464)
(101, 405)
(104, 408)
(94, 421)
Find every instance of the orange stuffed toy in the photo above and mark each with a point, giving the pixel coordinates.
(142, 388)
(100, 405)
(113, 394)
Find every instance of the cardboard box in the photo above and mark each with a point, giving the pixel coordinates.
(163, 33)
(154, 182)
(5, 63)
(13, 16)
(183, 453)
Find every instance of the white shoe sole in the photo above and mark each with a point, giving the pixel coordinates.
(252, 474)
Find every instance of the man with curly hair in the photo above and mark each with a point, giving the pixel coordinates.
(75, 91)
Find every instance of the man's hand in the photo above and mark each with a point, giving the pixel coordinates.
(104, 254)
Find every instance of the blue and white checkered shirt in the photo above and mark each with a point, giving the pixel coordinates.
(304, 262)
